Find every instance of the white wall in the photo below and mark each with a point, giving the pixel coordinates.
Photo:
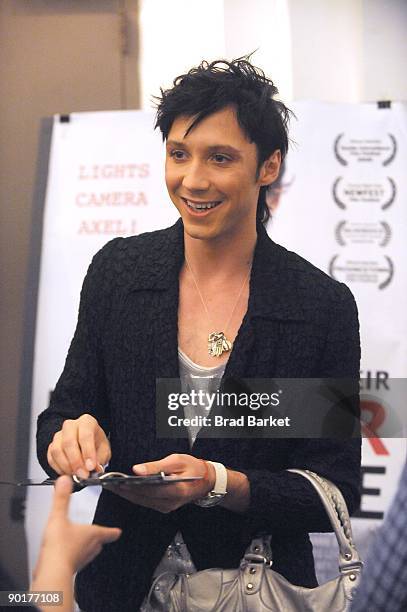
(263, 25)
(178, 34)
(329, 50)
(349, 50)
(174, 36)
(385, 49)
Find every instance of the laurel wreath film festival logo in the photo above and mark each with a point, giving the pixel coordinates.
(366, 233)
(382, 149)
(374, 271)
(347, 193)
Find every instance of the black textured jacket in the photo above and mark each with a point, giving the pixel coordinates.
(299, 323)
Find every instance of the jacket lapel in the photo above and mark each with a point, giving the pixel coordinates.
(158, 276)
(273, 304)
(274, 310)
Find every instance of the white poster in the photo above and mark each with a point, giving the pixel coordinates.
(343, 207)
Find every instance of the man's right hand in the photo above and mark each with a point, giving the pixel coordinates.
(80, 447)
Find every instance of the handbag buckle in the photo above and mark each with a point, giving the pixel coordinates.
(253, 558)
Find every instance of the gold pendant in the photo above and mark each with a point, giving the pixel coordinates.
(218, 344)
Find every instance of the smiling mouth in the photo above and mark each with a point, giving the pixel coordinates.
(201, 206)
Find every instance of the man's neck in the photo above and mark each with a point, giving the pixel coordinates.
(222, 258)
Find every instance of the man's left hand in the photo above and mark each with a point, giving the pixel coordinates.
(168, 497)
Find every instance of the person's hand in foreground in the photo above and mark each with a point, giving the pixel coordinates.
(66, 547)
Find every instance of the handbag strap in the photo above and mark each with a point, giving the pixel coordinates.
(338, 515)
(260, 551)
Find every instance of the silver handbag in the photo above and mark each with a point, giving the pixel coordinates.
(255, 586)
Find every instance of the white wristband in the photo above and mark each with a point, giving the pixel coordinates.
(221, 481)
(214, 497)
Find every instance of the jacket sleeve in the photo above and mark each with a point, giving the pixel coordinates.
(81, 387)
(282, 499)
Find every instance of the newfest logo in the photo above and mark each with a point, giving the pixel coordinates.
(350, 193)
(348, 149)
(377, 271)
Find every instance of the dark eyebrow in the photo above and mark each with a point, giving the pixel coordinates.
(175, 143)
(219, 148)
(225, 149)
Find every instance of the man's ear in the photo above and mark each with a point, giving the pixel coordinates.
(270, 169)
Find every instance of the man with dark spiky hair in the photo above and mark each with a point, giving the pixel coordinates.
(152, 306)
(213, 87)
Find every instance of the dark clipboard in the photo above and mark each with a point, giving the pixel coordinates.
(109, 478)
